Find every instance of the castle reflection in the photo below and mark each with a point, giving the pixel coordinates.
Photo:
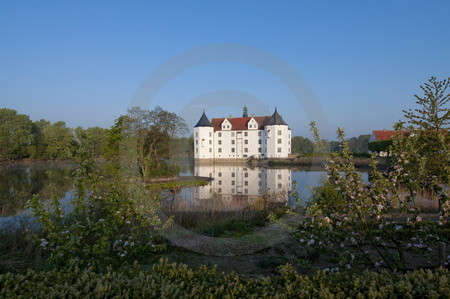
(234, 188)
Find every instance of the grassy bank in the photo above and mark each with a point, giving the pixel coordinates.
(360, 160)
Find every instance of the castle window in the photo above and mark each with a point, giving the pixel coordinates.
(196, 134)
(245, 150)
(232, 150)
(246, 183)
(219, 182)
(279, 149)
(232, 141)
(196, 150)
(220, 142)
(233, 174)
(210, 142)
(196, 142)
(245, 141)
(259, 149)
(232, 183)
(245, 191)
(220, 174)
(210, 150)
(219, 190)
(220, 149)
(279, 141)
(259, 133)
(279, 185)
(246, 174)
(279, 132)
(210, 134)
(232, 134)
(279, 176)
(245, 133)
(220, 134)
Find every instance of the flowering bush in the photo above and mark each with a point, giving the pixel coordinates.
(102, 226)
(370, 224)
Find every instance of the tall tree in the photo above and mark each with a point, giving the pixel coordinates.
(154, 130)
(16, 137)
(432, 114)
(59, 141)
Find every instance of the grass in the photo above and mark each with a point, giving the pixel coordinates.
(178, 184)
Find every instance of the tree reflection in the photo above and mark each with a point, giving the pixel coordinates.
(18, 182)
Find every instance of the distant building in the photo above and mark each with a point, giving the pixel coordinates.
(386, 135)
(242, 137)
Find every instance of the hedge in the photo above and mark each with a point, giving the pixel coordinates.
(380, 146)
(179, 281)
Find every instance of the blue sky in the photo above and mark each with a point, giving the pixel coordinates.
(84, 62)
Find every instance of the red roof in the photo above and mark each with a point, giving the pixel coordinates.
(239, 123)
(386, 135)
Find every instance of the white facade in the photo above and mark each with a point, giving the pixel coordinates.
(242, 137)
(235, 188)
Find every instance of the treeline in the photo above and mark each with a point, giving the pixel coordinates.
(357, 145)
(22, 138)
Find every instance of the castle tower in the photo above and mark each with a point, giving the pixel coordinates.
(278, 137)
(203, 138)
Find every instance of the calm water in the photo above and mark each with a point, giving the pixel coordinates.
(236, 189)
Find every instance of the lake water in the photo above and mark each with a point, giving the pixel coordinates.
(236, 188)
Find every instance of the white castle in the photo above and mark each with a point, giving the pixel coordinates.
(242, 137)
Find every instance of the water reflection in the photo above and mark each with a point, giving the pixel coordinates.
(235, 187)
(18, 182)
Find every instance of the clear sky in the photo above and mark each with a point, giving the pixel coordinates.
(85, 62)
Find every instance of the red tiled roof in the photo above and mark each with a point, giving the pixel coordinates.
(385, 135)
(239, 123)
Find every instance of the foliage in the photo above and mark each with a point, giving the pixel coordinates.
(380, 146)
(183, 146)
(372, 224)
(153, 132)
(178, 281)
(433, 113)
(301, 145)
(59, 141)
(16, 138)
(359, 145)
(95, 135)
(104, 225)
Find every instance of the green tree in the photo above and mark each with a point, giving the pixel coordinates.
(433, 113)
(39, 139)
(153, 131)
(59, 141)
(16, 137)
(96, 136)
(301, 145)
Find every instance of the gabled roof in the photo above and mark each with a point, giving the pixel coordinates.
(386, 135)
(203, 121)
(276, 119)
(240, 123)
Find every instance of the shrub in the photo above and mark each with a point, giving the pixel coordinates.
(178, 281)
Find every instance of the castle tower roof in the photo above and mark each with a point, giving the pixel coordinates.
(275, 119)
(203, 121)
